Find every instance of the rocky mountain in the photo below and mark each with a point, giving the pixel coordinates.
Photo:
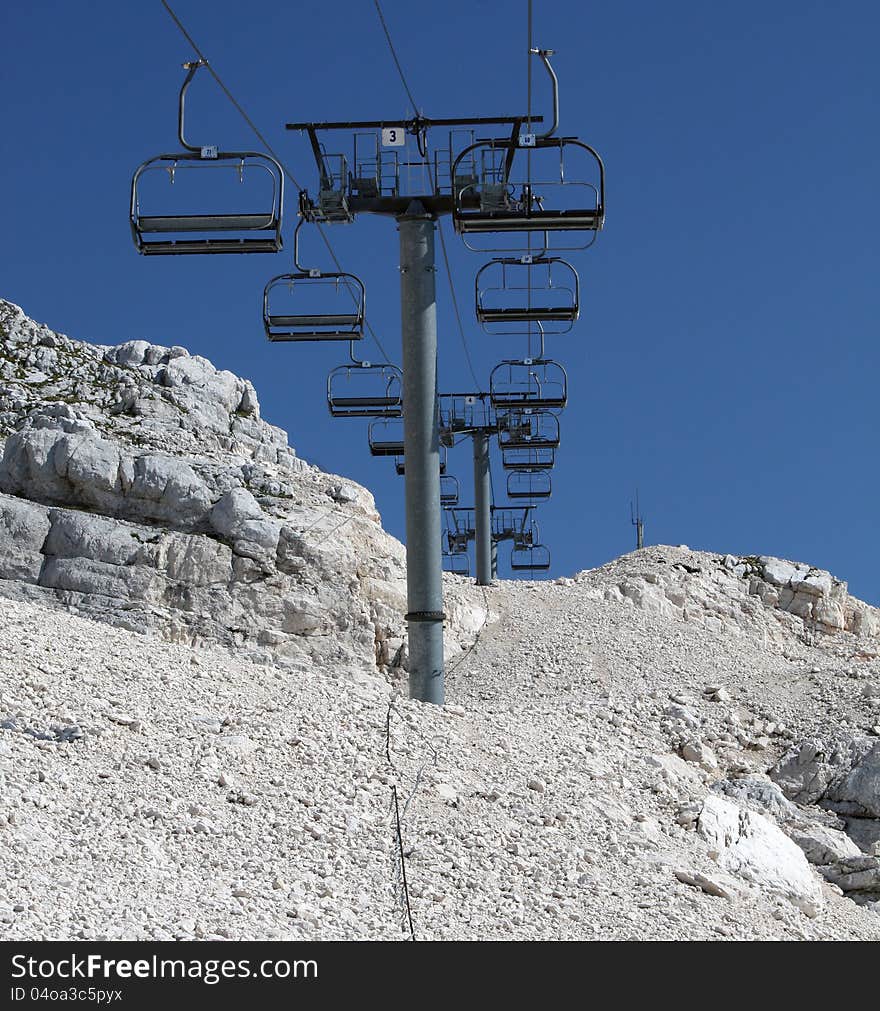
(139, 486)
(202, 714)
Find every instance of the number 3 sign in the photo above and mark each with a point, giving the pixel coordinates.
(393, 136)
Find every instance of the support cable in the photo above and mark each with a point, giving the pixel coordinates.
(258, 133)
(394, 56)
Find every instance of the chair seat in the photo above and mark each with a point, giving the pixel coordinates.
(386, 448)
(206, 223)
(365, 401)
(329, 320)
(313, 335)
(195, 246)
(562, 314)
(524, 400)
(581, 219)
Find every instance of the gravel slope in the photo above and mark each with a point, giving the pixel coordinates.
(153, 790)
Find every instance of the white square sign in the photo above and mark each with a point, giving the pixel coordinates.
(393, 136)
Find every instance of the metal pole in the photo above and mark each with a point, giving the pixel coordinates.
(421, 440)
(494, 559)
(482, 508)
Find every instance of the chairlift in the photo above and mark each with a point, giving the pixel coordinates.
(310, 305)
(531, 485)
(527, 429)
(529, 460)
(568, 194)
(364, 390)
(512, 293)
(507, 198)
(456, 562)
(531, 558)
(385, 437)
(158, 225)
(537, 383)
(449, 490)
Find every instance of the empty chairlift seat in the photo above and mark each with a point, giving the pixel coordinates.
(165, 191)
(530, 558)
(314, 307)
(514, 293)
(204, 200)
(540, 384)
(529, 485)
(385, 437)
(529, 460)
(558, 187)
(449, 490)
(456, 562)
(361, 390)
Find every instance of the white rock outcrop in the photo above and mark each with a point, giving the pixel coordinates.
(748, 845)
(139, 485)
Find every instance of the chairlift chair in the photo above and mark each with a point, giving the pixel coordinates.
(530, 558)
(529, 485)
(311, 305)
(511, 293)
(529, 460)
(385, 437)
(449, 490)
(456, 562)
(537, 383)
(560, 199)
(363, 390)
(284, 323)
(159, 227)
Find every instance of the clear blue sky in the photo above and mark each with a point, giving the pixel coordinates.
(727, 356)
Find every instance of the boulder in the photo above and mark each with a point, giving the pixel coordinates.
(747, 845)
(23, 531)
(823, 845)
(842, 773)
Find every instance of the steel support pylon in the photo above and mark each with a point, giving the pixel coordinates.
(482, 508)
(421, 439)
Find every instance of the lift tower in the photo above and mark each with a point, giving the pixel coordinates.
(372, 185)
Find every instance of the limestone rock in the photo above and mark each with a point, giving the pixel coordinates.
(842, 773)
(140, 486)
(823, 845)
(749, 846)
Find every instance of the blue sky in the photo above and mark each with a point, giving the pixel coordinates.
(726, 357)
